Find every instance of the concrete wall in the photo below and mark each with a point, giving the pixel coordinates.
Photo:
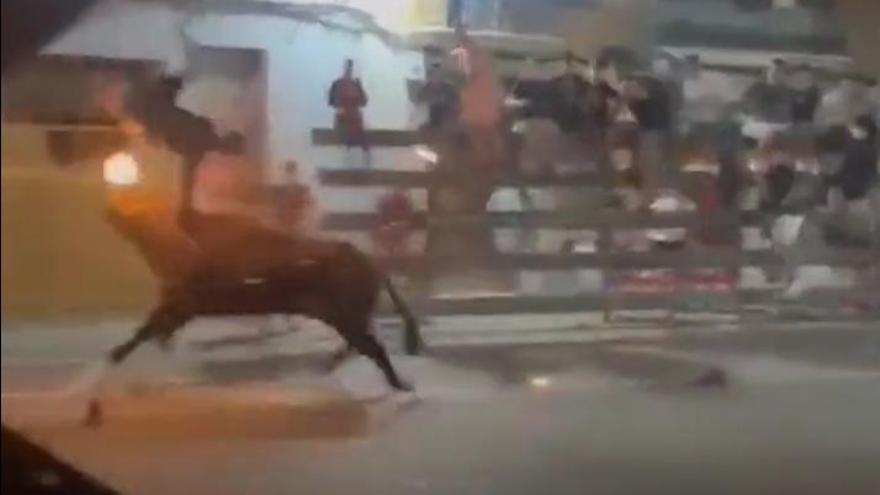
(59, 255)
(60, 258)
(302, 60)
(862, 22)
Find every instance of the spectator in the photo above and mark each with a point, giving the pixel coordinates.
(569, 99)
(706, 95)
(652, 107)
(396, 216)
(347, 97)
(858, 173)
(481, 99)
(441, 98)
(623, 146)
(607, 95)
(845, 102)
(771, 100)
(805, 95)
(296, 206)
(775, 168)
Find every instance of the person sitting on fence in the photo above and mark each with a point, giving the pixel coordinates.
(347, 97)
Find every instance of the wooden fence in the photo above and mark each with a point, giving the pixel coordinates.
(605, 258)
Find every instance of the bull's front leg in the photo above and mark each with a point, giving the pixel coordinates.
(161, 324)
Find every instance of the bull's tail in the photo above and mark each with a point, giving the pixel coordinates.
(412, 339)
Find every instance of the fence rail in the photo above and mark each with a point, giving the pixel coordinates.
(606, 258)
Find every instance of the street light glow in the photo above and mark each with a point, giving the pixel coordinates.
(121, 169)
(540, 382)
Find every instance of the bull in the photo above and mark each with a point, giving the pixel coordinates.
(226, 265)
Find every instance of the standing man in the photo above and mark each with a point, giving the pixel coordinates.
(347, 97)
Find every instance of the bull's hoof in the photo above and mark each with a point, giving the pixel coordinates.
(413, 346)
(403, 386)
(712, 378)
(164, 342)
(94, 415)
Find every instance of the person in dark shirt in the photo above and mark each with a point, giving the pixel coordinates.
(654, 107)
(805, 95)
(651, 105)
(770, 99)
(858, 173)
(568, 94)
(440, 96)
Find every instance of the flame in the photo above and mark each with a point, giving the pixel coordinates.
(121, 169)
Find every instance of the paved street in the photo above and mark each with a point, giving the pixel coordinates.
(794, 411)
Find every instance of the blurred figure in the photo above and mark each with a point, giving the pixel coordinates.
(706, 96)
(805, 95)
(607, 96)
(652, 107)
(156, 116)
(441, 98)
(481, 99)
(568, 94)
(858, 172)
(623, 146)
(774, 166)
(845, 102)
(857, 177)
(770, 99)
(296, 206)
(347, 97)
(667, 73)
(396, 217)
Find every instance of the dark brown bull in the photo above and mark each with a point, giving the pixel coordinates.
(227, 265)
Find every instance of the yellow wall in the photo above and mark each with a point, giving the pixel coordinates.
(587, 31)
(59, 256)
(862, 21)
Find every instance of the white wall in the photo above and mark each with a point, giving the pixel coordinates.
(303, 59)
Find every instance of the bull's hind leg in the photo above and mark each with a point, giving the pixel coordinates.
(161, 323)
(359, 337)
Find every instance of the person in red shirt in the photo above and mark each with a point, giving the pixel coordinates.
(347, 97)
